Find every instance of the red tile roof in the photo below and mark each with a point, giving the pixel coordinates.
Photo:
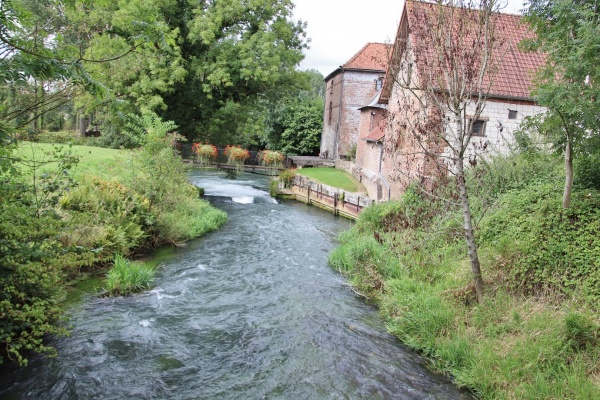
(377, 133)
(516, 69)
(373, 56)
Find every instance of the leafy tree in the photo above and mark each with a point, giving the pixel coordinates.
(439, 100)
(296, 134)
(568, 85)
(302, 124)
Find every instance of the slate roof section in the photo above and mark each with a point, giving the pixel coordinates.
(374, 102)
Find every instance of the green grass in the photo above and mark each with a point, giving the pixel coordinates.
(98, 161)
(127, 277)
(518, 344)
(332, 177)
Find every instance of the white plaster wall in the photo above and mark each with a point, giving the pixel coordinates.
(499, 129)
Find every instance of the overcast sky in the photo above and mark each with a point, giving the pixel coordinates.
(338, 29)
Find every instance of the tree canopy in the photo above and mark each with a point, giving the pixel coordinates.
(213, 67)
(568, 85)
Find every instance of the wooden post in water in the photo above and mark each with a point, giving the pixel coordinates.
(335, 201)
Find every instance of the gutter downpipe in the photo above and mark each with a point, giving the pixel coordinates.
(389, 189)
(339, 122)
(379, 172)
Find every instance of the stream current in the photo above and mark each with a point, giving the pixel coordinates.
(250, 311)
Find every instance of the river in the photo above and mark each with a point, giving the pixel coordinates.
(251, 311)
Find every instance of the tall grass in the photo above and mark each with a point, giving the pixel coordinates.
(537, 336)
(127, 277)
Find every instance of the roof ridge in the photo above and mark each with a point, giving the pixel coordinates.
(357, 54)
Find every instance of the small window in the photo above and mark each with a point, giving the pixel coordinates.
(331, 87)
(512, 114)
(478, 128)
(378, 83)
(330, 112)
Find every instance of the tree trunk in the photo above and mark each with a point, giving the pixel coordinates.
(568, 174)
(469, 231)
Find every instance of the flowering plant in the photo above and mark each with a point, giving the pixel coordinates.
(204, 152)
(270, 158)
(287, 177)
(236, 156)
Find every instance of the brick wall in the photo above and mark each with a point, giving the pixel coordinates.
(345, 93)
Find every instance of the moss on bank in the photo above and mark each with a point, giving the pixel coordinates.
(537, 335)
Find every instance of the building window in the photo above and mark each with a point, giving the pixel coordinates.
(478, 127)
(331, 87)
(512, 114)
(330, 112)
(378, 83)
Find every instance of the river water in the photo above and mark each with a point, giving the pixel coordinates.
(251, 311)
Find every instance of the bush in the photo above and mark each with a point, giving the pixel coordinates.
(537, 333)
(127, 277)
(30, 275)
(106, 217)
(587, 171)
(287, 177)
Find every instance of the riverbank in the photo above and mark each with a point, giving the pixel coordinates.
(537, 334)
(250, 311)
(56, 223)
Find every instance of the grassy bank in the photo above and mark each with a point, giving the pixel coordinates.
(59, 218)
(332, 177)
(93, 161)
(537, 334)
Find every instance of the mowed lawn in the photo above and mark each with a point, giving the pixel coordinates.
(332, 177)
(99, 161)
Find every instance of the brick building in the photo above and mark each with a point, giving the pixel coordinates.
(389, 157)
(348, 88)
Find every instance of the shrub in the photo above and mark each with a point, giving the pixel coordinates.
(106, 217)
(236, 156)
(204, 152)
(287, 177)
(127, 277)
(587, 171)
(30, 275)
(270, 158)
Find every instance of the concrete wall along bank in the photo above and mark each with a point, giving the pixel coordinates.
(338, 201)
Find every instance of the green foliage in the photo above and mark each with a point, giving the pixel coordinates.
(536, 334)
(128, 277)
(49, 233)
(301, 125)
(47, 187)
(587, 171)
(106, 217)
(159, 175)
(287, 177)
(553, 249)
(30, 274)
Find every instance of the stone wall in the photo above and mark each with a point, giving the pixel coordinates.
(336, 200)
